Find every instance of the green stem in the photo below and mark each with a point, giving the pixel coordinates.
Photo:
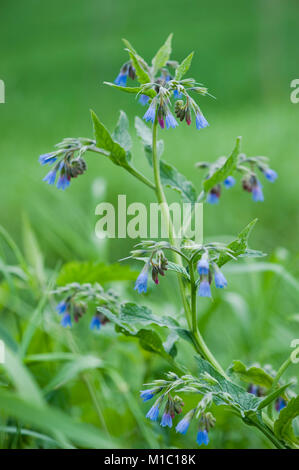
(199, 342)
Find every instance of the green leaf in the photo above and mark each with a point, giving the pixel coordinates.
(253, 374)
(238, 246)
(117, 154)
(226, 169)
(178, 269)
(121, 132)
(142, 75)
(183, 68)
(170, 176)
(72, 369)
(135, 90)
(162, 55)
(283, 425)
(90, 272)
(272, 396)
(245, 402)
(51, 420)
(133, 313)
(32, 250)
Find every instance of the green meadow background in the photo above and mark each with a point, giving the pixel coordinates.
(54, 58)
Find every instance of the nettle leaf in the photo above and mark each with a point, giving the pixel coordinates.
(121, 132)
(90, 272)
(246, 402)
(129, 321)
(253, 374)
(283, 425)
(162, 55)
(238, 246)
(183, 68)
(118, 154)
(178, 269)
(170, 176)
(225, 170)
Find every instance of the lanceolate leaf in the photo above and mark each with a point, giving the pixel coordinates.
(238, 246)
(142, 75)
(183, 67)
(255, 375)
(162, 55)
(133, 90)
(283, 425)
(226, 169)
(170, 176)
(178, 269)
(118, 154)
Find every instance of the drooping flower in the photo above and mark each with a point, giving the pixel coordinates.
(61, 307)
(280, 404)
(141, 281)
(270, 174)
(121, 79)
(151, 112)
(146, 395)
(202, 437)
(177, 95)
(47, 159)
(257, 192)
(166, 420)
(50, 177)
(63, 181)
(183, 426)
(219, 278)
(153, 413)
(212, 198)
(229, 182)
(203, 264)
(204, 288)
(253, 389)
(95, 323)
(66, 320)
(201, 121)
(143, 99)
(170, 120)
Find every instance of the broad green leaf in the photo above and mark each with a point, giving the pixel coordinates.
(51, 420)
(170, 343)
(246, 402)
(133, 313)
(170, 176)
(121, 133)
(162, 56)
(90, 272)
(254, 374)
(72, 369)
(135, 90)
(178, 269)
(117, 154)
(226, 169)
(184, 66)
(283, 425)
(238, 246)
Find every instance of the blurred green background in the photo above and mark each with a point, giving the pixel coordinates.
(54, 58)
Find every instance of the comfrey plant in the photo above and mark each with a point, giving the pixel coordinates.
(268, 404)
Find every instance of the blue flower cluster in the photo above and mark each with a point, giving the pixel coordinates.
(66, 168)
(206, 275)
(73, 311)
(158, 268)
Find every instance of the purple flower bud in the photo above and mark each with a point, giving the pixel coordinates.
(202, 437)
(229, 182)
(201, 121)
(161, 122)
